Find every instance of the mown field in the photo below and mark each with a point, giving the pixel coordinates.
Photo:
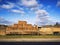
(29, 36)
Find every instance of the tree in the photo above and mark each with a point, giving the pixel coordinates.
(57, 24)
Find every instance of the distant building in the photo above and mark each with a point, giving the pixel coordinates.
(22, 28)
(50, 30)
(3, 29)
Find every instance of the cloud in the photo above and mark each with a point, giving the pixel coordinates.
(41, 12)
(7, 6)
(42, 18)
(29, 3)
(58, 4)
(3, 21)
(10, 7)
(20, 8)
(17, 11)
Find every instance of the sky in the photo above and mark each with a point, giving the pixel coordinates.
(38, 12)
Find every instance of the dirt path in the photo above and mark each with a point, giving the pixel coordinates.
(31, 40)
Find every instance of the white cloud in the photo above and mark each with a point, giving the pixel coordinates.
(8, 6)
(1, 18)
(13, 5)
(41, 12)
(42, 18)
(18, 11)
(20, 8)
(58, 4)
(29, 3)
(34, 8)
(3, 21)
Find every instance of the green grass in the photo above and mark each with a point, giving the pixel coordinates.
(29, 36)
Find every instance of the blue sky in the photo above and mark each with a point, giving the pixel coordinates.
(39, 12)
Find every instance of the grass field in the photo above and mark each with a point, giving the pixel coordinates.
(30, 36)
